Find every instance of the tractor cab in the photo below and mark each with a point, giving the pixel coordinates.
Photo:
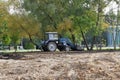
(51, 36)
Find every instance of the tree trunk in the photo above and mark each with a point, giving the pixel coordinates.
(114, 44)
(31, 40)
(92, 43)
(72, 35)
(84, 40)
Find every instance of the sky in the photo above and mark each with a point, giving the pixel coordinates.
(112, 6)
(5, 0)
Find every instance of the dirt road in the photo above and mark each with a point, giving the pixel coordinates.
(61, 66)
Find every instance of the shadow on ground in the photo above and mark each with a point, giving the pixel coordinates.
(14, 56)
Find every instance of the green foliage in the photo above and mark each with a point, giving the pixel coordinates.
(6, 40)
(35, 17)
(28, 45)
(86, 22)
(15, 40)
(5, 37)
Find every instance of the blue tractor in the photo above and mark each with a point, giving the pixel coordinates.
(52, 42)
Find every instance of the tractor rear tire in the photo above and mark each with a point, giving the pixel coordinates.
(52, 46)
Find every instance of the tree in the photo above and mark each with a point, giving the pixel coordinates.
(98, 6)
(113, 19)
(118, 20)
(86, 23)
(4, 36)
(52, 13)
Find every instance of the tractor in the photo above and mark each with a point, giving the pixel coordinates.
(53, 42)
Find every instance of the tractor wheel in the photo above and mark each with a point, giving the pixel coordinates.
(52, 46)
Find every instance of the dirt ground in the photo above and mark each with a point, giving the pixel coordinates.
(60, 66)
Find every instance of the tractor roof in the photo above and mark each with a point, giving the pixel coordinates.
(51, 32)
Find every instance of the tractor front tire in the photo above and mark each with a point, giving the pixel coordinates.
(52, 46)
